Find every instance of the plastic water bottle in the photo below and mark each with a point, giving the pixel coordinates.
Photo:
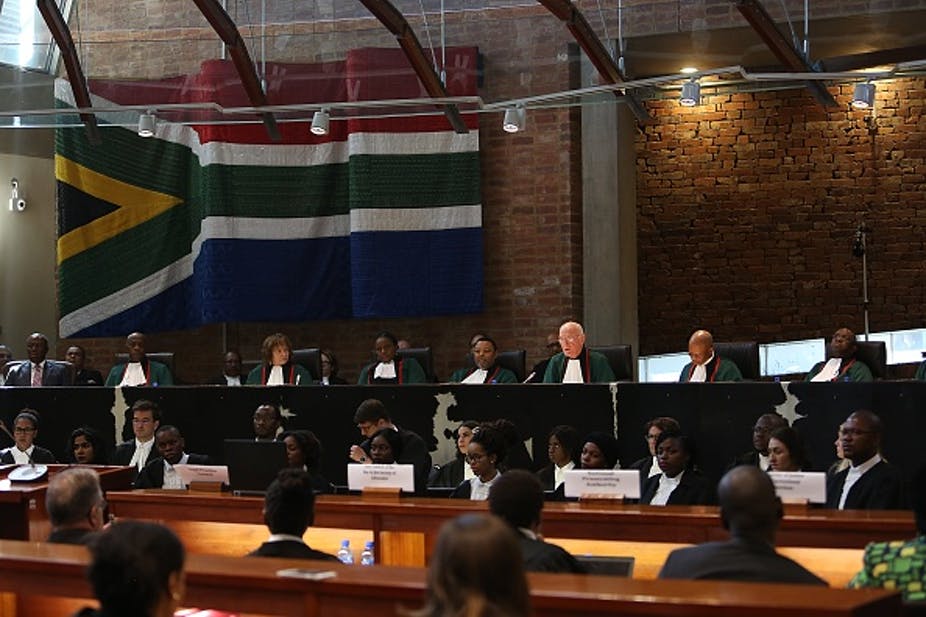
(366, 557)
(344, 554)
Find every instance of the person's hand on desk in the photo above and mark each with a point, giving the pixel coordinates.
(358, 455)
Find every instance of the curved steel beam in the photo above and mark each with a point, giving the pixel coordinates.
(585, 36)
(62, 35)
(396, 23)
(223, 25)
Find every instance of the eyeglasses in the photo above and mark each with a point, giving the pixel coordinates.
(651, 437)
(568, 339)
(474, 458)
(852, 432)
(23, 429)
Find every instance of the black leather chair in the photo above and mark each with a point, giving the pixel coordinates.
(311, 360)
(744, 354)
(874, 355)
(620, 357)
(515, 361)
(164, 357)
(424, 358)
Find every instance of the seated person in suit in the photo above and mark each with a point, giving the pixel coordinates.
(450, 474)
(289, 509)
(563, 450)
(160, 472)
(330, 369)
(75, 505)
(786, 451)
(649, 465)
(86, 447)
(371, 417)
(517, 498)
(485, 452)
(751, 512)
(576, 363)
(138, 452)
(486, 369)
(705, 365)
(6, 354)
(388, 368)
(540, 369)
(679, 484)
(277, 368)
(267, 422)
(24, 450)
(83, 376)
(842, 364)
(231, 371)
(758, 456)
(37, 371)
(304, 451)
(900, 565)
(870, 482)
(139, 371)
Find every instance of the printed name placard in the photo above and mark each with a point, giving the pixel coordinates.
(202, 473)
(606, 482)
(360, 477)
(809, 485)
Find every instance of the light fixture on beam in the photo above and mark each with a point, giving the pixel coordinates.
(515, 118)
(691, 94)
(146, 124)
(864, 96)
(321, 121)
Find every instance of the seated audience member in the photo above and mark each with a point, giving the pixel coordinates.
(576, 363)
(842, 364)
(705, 365)
(648, 465)
(563, 452)
(786, 450)
(900, 565)
(6, 354)
(267, 421)
(385, 447)
(751, 512)
(82, 376)
(450, 474)
(517, 498)
(517, 456)
(679, 484)
(304, 451)
(540, 369)
(477, 570)
(486, 369)
(75, 505)
(758, 456)
(388, 368)
(371, 417)
(599, 451)
(138, 452)
(231, 371)
(278, 368)
(289, 509)
(870, 482)
(86, 447)
(136, 569)
(485, 451)
(24, 450)
(160, 472)
(330, 369)
(37, 371)
(139, 371)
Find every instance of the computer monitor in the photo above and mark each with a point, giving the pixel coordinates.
(253, 465)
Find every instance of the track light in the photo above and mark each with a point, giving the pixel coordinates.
(514, 119)
(146, 123)
(320, 122)
(864, 96)
(691, 94)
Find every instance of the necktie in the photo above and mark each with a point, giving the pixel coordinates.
(36, 375)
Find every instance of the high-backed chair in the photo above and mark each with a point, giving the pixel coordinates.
(515, 361)
(424, 358)
(874, 355)
(620, 357)
(164, 357)
(744, 354)
(311, 360)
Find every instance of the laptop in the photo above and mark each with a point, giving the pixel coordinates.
(253, 465)
(607, 566)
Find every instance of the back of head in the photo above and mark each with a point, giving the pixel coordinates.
(289, 506)
(748, 504)
(477, 570)
(371, 410)
(70, 496)
(133, 563)
(517, 498)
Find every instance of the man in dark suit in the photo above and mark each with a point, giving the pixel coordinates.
(82, 376)
(517, 498)
(371, 416)
(289, 509)
(870, 482)
(160, 472)
(138, 452)
(74, 502)
(761, 432)
(37, 371)
(751, 512)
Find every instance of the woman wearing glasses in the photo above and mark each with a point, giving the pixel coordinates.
(24, 450)
(485, 451)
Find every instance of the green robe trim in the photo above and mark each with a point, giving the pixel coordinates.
(411, 372)
(158, 374)
(300, 374)
(504, 375)
(858, 371)
(600, 369)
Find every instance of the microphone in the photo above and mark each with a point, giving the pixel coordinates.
(529, 377)
(7, 431)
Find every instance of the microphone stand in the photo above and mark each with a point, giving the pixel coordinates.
(859, 249)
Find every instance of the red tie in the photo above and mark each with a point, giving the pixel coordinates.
(36, 375)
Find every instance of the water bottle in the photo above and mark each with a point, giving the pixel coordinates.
(366, 557)
(344, 554)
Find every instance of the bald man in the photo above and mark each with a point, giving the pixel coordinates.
(705, 365)
(842, 364)
(139, 371)
(576, 363)
(751, 512)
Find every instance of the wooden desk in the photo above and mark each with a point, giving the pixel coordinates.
(36, 575)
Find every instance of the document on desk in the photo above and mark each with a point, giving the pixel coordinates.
(202, 473)
(800, 485)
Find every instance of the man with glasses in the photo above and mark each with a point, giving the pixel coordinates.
(75, 505)
(870, 482)
(577, 363)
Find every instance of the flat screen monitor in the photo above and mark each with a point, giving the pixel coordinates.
(253, 465)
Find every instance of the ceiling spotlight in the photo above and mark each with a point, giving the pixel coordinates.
(146, 123)
(514, 119)
(688, 70)
(320, 122)
(864, 96)
(691, 94)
